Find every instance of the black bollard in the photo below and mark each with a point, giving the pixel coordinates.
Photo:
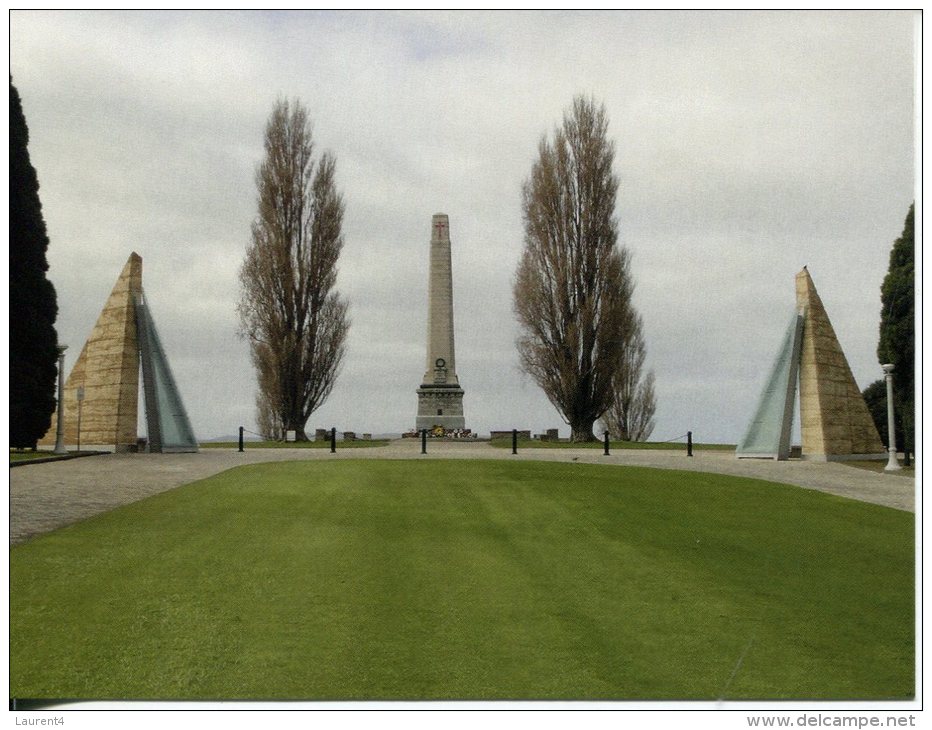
(423, 440)
(906, 461)
(514, 441)
(606, 444)
(333, 440)
(241, 439)
(689, 443)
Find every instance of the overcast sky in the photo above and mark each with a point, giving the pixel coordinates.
(747, 145)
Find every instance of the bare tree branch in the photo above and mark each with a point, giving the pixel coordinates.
(631, 416)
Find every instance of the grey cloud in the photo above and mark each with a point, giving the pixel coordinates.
(748, 144)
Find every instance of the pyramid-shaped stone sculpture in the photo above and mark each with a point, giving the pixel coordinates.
(834, 419)
(107, 374)
(108, 371)
(835, 422)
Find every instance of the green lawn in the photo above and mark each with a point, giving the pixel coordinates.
(469, 579)
(613, 445)
(879, 466)
(30, 455)
(360, 444)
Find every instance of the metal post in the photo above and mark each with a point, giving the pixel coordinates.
(892, 463)
(514, 441)
(241, 439)
(60, 431)
(606, 444)
(80, 394)
(423, 440)
(333, 440)
(689, 443)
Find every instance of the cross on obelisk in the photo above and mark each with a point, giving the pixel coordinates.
(440, 398)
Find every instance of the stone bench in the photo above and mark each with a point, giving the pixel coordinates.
(507, 435)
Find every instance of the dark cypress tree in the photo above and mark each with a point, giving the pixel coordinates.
(875, 396)
(897, 334)
(33, 308)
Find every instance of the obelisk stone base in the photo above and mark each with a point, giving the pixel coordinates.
(439, 406)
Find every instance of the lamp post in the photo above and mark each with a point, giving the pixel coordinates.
(80, 396)
(892, 464)
(60, 430)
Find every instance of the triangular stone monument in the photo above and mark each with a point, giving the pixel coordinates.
(108, 371)
(835, 422)
(834, 419)
(101, 395)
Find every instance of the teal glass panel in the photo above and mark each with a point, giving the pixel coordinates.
(166, 419)
(768, 434)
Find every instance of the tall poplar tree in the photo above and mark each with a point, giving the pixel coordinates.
(573, 286)
(295, 320)
(33, 306)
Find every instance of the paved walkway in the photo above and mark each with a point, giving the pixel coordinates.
(44, 497)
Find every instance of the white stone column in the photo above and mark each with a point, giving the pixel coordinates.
(60, 430)
(892, 463)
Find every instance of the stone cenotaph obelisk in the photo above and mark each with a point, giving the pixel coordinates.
(440, 398)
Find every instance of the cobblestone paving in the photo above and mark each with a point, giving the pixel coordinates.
(44, 497)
